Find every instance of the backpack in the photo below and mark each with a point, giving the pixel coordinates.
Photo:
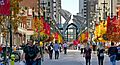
(31, 52)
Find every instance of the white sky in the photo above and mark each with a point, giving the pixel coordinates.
(70, 5)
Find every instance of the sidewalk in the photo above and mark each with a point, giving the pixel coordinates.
(94, 60)
(74, 57)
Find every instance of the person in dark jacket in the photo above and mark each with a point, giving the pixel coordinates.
(118, 54)
(87, 54)
(112, 52)
(100, 54)
(31, 53)
(50, 50)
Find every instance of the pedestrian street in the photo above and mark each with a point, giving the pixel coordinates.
(74, 57)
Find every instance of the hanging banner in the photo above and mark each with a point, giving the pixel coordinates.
(47, 28)
(4, 7)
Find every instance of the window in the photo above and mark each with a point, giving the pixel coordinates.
(29, 25)
(48, 3)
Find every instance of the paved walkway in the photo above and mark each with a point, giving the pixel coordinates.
(74, 57)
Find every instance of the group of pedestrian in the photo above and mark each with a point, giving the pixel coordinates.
(113, 53)
(57, 48)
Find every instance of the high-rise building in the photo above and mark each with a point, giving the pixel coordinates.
(85, 7)
(52, 8)
(81, 8)
(109, 8)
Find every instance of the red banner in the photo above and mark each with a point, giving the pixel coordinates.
(75, 42)
(108, 24)
(4, 7)
(47, 28)
(56, 35)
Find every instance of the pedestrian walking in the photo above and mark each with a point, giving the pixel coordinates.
(118, 54)
(94, 47)
(31, 53)
(60, 47)
(100, 54)
(65, 48)
(82, 47)
(78, 46)
(50, 50)
(87, 54)
(112, 52)
(56, 49)
(40, 55)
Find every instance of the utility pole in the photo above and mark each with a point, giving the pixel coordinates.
(104, 14)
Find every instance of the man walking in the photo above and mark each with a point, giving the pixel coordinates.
(112, 52)
(50, 50)
(56, 49)
(31, 53)
(87, 54)
(65, 48)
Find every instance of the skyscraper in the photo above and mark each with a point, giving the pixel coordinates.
(52, 8)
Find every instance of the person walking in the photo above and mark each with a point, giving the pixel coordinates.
(65, 48)
(112, 52)
(82, 47)
(94, 47)
(100, 54)
(118, 54)
(60, 44)
(30, 53)
(50, 50)
(87, 54)
(56, 49)
(78, 46)
(40, 55)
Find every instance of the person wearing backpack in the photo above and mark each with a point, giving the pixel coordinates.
(100, 54)
(112, 52)
(31, 53)
(87, 54)
(50, 50)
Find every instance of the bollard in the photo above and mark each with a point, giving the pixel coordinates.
(12, 62)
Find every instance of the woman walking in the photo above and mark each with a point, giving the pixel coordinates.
(100, 54)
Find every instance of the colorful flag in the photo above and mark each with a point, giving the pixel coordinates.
(4, 7)
(56, 35)
(47, 28)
